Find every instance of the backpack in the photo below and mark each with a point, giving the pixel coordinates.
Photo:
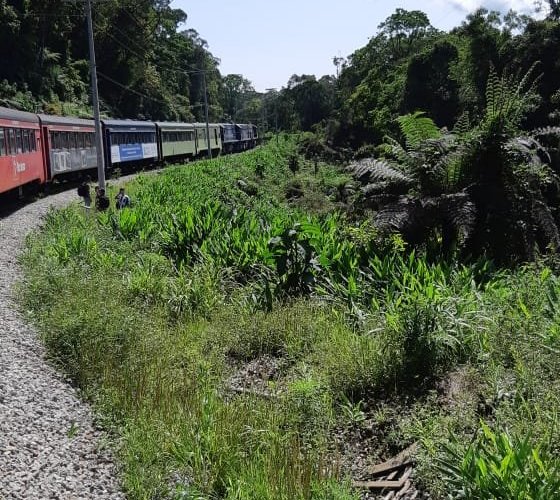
(83, 190)
(103, 203)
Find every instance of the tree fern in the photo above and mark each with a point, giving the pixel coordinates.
(371, 170)
(508, 98)
(417, 128)
(393, 148)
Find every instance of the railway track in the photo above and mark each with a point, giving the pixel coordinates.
(49, 445)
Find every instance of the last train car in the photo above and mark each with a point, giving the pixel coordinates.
(69, 145)
(21, 156)
(129, 143)
(245, 136)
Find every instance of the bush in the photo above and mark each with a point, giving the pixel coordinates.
(497, 465)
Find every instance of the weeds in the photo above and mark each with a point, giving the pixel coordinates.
(151, 309)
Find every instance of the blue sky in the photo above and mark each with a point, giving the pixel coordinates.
(268, 41)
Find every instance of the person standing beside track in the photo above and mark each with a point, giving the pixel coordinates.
(83, 191)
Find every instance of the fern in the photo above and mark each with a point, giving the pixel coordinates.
(508, 98)
(463, 124)
(546, 131)
(417, 128)
(372, 170)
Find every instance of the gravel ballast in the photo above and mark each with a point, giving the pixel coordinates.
(49, 447)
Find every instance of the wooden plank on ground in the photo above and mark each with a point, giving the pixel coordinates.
(389, 484)
(404, 458)
(386, 467)
(378, 485)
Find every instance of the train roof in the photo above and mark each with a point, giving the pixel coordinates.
(66, 120)
(175, 125)
(13, 114)
(129, 125)
(203, 124)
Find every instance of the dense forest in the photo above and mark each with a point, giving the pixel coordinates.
(147, 67)
(150, 66)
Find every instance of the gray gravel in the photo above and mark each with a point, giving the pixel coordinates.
(49, 448)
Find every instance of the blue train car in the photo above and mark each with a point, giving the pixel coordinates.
(229, 137)
(245, 136)
(129, 142)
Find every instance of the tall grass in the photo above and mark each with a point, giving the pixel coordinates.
(154, 311)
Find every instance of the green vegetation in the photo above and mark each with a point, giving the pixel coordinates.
(227, 331)
(252, 321)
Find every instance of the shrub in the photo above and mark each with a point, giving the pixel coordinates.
(497, 465)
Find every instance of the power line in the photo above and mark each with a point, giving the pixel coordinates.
(130, 89)
(127, 47)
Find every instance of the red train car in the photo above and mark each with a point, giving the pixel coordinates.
(21, 155)
(69, 146)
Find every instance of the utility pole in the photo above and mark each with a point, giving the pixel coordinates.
(206, 115)
(95, 100)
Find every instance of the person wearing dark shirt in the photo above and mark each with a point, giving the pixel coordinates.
(101, 201)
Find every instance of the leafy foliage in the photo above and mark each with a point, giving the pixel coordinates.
(497, 466)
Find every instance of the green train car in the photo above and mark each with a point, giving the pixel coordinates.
(176, 140)
(215, 139)
(187, 140)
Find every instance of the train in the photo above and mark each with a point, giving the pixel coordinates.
(39, 148)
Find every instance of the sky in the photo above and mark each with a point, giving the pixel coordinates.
(267, 41)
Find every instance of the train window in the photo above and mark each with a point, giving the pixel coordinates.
(215, 136)
(19, 141)
(2, 148)
(12, 140)
(25, 133)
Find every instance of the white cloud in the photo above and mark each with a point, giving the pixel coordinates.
(521, 6)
